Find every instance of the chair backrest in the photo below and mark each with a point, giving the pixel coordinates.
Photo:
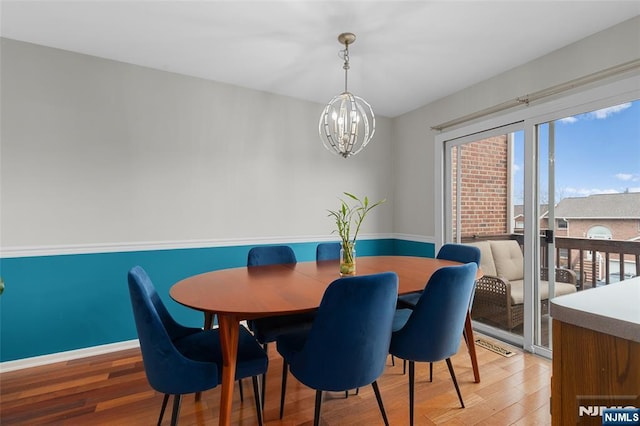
(459, 253)
(348, 343)
(167, 370)
(328, 251)
(270, 255)
(435, 326)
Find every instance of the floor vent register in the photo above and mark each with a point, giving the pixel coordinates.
(493, 347)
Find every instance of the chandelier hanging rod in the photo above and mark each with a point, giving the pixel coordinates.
(346, 39)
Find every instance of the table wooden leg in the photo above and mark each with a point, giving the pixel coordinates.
(229, 334)
(471, 345)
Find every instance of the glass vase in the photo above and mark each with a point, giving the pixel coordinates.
(347, 259)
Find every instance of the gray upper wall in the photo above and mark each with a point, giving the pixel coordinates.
(415, 203)
(101, 152)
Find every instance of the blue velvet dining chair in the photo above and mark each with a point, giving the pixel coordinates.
(433, 330)
(455, 252)
(270, 255)
(328, 251)
(267, 329)
(348, 343)
(180, 360)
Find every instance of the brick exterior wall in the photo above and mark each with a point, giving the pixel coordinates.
(484, 174)
(621, 229)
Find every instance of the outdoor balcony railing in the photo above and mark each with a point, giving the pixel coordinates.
(590, 259)
(587, 257)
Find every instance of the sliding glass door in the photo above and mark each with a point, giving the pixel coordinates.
(484, 185)
(553, 203)
(588, 199)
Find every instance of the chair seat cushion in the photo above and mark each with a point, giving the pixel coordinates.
(291, 343)
(269, 328)
(205, 347)
(400, 318)
(409, 300)
(517, 292)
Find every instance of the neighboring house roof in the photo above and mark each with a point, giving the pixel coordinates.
(600, 206)
(518, 210)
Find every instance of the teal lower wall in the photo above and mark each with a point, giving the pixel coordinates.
(413, 248)
(60, 303)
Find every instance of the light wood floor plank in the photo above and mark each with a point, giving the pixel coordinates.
(112, 389)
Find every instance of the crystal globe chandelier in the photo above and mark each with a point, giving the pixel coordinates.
(347, 123)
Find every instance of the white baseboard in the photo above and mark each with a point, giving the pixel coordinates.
(75, 354)
(67, 356)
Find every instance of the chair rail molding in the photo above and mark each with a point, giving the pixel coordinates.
(95, 248)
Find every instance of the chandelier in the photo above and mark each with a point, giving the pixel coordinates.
(347, 123)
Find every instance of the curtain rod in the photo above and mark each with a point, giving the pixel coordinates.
(553, 90)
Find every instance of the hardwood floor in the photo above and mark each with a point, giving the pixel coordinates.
(112, 390)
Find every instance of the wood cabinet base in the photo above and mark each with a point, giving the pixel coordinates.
(591, 370)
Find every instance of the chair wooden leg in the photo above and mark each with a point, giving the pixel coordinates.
(264, 379)
(404, 367)
(316, 415)
(431, 372)
(164, 406)
(380, 404)
(455, 382)
(208, 321)
(471, 346)
(412, 372)
(283, 388)
(177, 399)
(241, 390)
(256, 396)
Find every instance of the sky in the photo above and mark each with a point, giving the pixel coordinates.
(596, 152)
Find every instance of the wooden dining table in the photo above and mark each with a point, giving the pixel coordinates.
(245, 293)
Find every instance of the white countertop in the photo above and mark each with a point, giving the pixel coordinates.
(612, 309)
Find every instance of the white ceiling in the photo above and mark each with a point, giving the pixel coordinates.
(407, 53)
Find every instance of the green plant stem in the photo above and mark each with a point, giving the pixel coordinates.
(348, 214)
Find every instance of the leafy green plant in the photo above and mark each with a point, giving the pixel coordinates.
(348, 217)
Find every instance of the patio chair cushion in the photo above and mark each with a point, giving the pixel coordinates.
(517, 290)
(486, 257)
(508, 259)
(503, 258)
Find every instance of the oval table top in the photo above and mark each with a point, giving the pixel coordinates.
(258, 291)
